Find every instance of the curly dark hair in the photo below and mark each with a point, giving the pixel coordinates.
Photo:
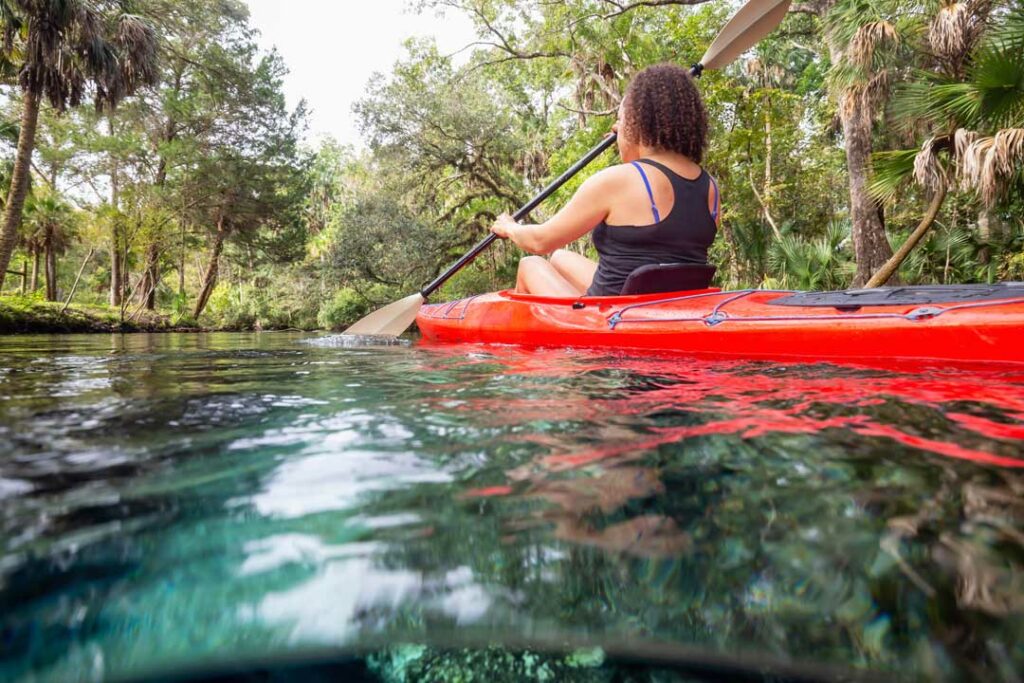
(663, 109)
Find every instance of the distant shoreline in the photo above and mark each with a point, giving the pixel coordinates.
(25, 315)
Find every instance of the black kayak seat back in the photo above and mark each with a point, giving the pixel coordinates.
(668, 277)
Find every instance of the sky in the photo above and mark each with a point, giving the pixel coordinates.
(333, 48)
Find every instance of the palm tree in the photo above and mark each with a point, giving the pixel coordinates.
(33, 248)
(62, 47)
(990, 141)
(971, 105)
(50, 222)
(815, 263)
(861, 38)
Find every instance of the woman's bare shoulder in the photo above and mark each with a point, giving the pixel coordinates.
(610, 177)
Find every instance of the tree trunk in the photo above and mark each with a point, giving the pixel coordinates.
(870, 246)
(51, 273)
(126, 280)
(24, 277)
(19, 181)
(35, 269)
(768, 177)
(151, 270)
(116, 261)
(210, 279)
(889, 269)
(985, 233)
(181, 263)
(78, 278)
(150, 276)
(115, 269)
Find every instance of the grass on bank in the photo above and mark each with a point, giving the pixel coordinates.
(29, 314)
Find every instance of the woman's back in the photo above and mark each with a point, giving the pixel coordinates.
(658, 216)
(657, 209)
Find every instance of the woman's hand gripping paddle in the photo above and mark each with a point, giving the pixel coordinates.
(751, 23)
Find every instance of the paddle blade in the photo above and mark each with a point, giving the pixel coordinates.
(390, 321)
(753, 22)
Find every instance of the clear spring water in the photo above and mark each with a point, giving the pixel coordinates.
(177, 501)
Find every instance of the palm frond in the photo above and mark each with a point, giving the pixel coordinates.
(845, 18)
(1010, 32)
(928, 172)
(870, 36)
(890, 170)
(138, 51)
(912, 100)
(989, 164)
(1009, 150)
(957, 101)
(948, 30)
(998, 79)
(956, 28)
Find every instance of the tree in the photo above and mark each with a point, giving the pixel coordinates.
(50, 221)
(206, 45)
(61, 49)
(445, 142)
(249, 174)
(856, 34)
(968, 107)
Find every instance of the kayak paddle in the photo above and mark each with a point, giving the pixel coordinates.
(751, 23)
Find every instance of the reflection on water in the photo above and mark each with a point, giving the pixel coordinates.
(196, 498)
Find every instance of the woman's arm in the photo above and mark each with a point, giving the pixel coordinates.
(588, 207)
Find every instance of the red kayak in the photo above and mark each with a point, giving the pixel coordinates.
(964, 323)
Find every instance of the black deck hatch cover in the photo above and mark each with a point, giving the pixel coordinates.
(905, 296)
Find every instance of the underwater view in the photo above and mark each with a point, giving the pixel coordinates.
(178, 504)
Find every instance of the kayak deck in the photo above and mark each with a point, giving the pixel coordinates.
(983, 325)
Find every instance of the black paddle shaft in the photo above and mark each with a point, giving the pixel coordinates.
(523, 212)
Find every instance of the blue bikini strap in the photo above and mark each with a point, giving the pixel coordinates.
(650, 194)
(714, 213)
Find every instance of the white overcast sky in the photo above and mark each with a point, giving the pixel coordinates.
(333, 47)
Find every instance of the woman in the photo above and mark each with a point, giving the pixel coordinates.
(659, 206)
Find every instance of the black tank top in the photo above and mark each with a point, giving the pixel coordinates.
(683, 236)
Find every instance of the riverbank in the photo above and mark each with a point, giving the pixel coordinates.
(31, 315)
(27, 315)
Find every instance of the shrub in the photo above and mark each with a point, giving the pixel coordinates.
(346, 307)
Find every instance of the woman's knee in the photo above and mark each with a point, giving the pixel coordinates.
(531, 262)
(538, 276)
(561, 257)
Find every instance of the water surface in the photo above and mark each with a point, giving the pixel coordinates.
(182, 500)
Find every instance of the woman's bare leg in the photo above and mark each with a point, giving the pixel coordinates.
(577, 269)
(538, 276)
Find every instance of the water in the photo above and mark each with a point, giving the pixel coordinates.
(176, 501)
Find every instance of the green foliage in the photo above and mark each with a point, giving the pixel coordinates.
(954, 253)
(346, 307)
(818, 263)
(33, 314)
(181, 311)
(892, 168)
(979, 89)
(379, 241)
(1012, 267)
(275, 304)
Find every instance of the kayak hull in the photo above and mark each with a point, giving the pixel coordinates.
(744, 324)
